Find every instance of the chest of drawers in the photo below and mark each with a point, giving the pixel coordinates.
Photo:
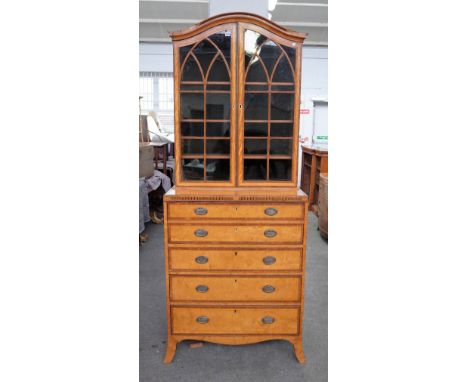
(235, 268)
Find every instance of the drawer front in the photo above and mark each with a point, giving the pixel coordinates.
(214, 259)
(260, 234)
(235, 211)
(235, 288)
(235, 320)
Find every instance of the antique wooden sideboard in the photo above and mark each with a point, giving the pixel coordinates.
(314, 162)
(235, 222)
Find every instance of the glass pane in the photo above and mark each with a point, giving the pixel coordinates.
(291, 52)
(281, 130)
(270, 53)
(192, 169)
(191, 87)
(217, 87)
(255, 169)
(282, 87)
(191, 105)
(255, 129)
(218, 71)
(192, 146)
(256, 106)
(280, 146)
(222, 40)
(217, 129)
(218, 146)
(256, 72)
(192, 129)
(282, 106)
(218, 106)
(280, 169)
(183, 52)
(255, 146)
(191, 71)
(205, 53)
(217, 169)
(256, 87)
(283, 72)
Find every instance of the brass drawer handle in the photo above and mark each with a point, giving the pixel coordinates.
(268, 260)
(200, 211)
(202, 319)
(270, 233)
(200, 233)
(268, 320)
(268, 288)
(271, 211)
(201, 260)
(202, 288)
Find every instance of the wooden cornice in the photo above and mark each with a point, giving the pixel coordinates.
(234, 17)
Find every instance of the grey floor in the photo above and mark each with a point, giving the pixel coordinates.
(268, 361)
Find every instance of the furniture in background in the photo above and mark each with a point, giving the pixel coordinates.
(235, 222)
(314, 162)
(323, 205)
(146, 154)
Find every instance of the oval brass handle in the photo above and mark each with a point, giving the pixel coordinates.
(271, 211)
(270, 233)
(201, 259)
(268, 320)
(268, 260)
(268, 289)
(200, 211)
(202, 288)
(201, 233)
(202, 319)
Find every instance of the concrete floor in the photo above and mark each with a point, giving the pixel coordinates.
(267, 361)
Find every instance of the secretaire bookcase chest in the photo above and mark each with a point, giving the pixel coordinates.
(235, 222)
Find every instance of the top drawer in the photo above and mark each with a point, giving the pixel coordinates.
(273, 211)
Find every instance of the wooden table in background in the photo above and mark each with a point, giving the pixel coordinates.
(314, 162)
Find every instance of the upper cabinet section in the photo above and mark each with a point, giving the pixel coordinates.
(237, 81)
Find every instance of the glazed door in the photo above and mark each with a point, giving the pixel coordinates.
(268, 108)
(205, 107)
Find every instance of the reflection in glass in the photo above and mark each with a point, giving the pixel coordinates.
(282, 106)
(192, 129)
(255, 146)
(191, 71)
(280, 169)
(281, 129)
(280, 146)
(218, 71)
(218, 87)
(217, 169)
(218, 106)
(255, 169)
(256, 106)
(192, 146)
(217, 129)
(205, 53)
(255, 129)
(270, 53)
(192, 169)
(283, 71)
(191, 105)
(218, 146)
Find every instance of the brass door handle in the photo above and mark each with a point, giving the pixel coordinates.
(202, 319)
(202, 288)
(268, 260)
(200, 211)
(268, 288)
(270, 233)
(268, 320)
(271, 211)
(201, 259)
(200, 233)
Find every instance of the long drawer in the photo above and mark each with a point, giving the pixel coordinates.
(235, 288)
(257, 211)
(255, 234)
(235, 320)
(242, 259)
